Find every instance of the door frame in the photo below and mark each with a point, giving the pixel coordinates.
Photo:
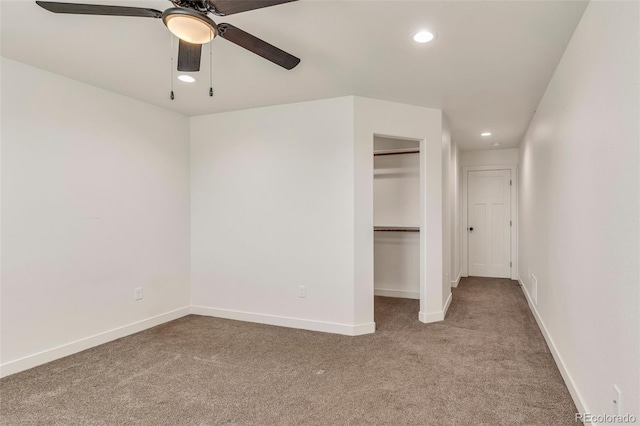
(514, 215)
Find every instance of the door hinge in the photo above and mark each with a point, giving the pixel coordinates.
(510, 182)
(510, 223)
(510, 264)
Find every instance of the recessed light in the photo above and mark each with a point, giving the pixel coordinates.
(186, 78)
(423, 37)
(495, 144)
(485, 134)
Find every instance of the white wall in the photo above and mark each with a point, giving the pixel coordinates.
(492, 157)
(272, 209)
(282, 199)
(448, 215)
(455, 191)
(579, 209)
(95, 202)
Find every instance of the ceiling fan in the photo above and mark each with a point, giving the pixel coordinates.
(189, 21)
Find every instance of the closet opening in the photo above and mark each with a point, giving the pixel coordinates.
(396, 218)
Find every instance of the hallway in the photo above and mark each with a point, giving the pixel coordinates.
(492, 360)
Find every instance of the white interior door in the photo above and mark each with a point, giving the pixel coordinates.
(489, 223)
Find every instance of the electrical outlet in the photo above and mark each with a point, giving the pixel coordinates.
(137, 294)
(302, 291)
(534, 289)
(617, 397)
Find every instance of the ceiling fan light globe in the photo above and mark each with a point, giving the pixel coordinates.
(189, 26)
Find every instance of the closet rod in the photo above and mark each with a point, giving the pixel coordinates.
(375, 154)
(396, 229)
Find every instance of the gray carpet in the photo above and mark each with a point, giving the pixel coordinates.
(486, 364)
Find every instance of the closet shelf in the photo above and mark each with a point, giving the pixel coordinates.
(396, 151)
(396, 228)
(397, 171)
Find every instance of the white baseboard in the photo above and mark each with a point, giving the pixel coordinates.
(30, 361)
(455, 283)
(428, 317)
(396, 293)
(80, 345)
(564, 372)
(327, 327)
(446, 305)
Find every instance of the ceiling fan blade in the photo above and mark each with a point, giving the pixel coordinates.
(96, 9)
(229, 7)
(189, 56)
(257, 46)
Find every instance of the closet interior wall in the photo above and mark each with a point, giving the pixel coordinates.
(396, 218)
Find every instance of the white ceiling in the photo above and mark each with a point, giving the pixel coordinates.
(487, 69)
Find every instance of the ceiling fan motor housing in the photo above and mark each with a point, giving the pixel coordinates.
(202, 6)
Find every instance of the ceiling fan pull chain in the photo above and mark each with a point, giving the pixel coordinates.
(211, 65)
(171, 55)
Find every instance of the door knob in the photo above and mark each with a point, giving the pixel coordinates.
(471, 229)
